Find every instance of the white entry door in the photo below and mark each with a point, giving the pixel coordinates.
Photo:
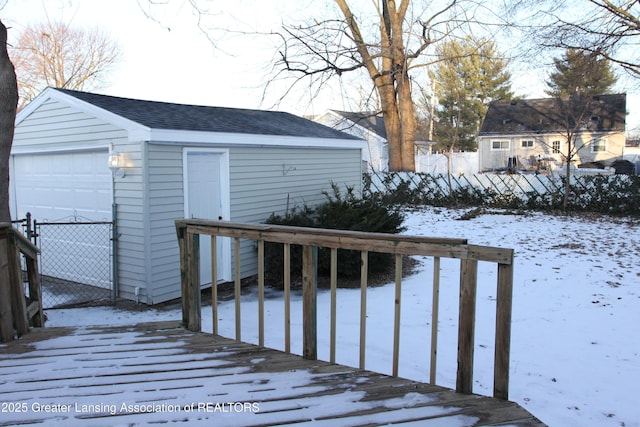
(207, 197)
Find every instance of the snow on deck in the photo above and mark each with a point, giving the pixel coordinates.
(161, 373)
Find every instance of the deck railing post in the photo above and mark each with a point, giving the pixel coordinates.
(6, 314)
(466, 325)
(194, 322)
(503, 331)
(364, 280)
(309, 308)
(35, 290)
(311, 239)
(435, 314)
(287, 298)
(261, 293)
(214, 284)
(181, 231)
(237, 287)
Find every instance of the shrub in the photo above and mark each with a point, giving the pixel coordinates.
(342, 212)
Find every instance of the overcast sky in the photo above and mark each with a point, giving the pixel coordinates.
(172, 60)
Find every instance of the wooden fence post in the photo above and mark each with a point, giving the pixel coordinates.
(466, 325)
(309, 308)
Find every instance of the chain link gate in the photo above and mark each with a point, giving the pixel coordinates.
(76, 262)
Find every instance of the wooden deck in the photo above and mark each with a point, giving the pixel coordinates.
(161, 373)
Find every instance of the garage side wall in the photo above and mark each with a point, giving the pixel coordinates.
(130, 211)
(262, 181)
(165, 205)
(272, 180)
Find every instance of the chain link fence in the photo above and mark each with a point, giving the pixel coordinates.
(76, 262)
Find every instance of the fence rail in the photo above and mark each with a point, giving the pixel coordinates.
(310, 239)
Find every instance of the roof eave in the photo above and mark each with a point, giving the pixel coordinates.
(135, 130)
(170, 136)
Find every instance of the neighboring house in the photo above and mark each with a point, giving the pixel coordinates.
(531, 133)
(366, 125)
(173, 161)
(370, 127)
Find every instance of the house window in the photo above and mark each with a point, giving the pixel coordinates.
(527, 143)
(499, 145)
(555, 146)
(599, 145)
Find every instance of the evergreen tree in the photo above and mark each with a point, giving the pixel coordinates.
(469, 75)
(580, 72)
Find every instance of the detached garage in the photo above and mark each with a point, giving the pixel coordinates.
(169, 161)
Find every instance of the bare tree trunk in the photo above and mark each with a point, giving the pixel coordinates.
(392, 125)
(391, 80)
(408, 120)
(8, 107)
(402, 87)
(567, 184)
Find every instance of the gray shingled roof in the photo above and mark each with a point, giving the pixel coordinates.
(369, 120)
(164, 115)
(373, 122)
(605, 113)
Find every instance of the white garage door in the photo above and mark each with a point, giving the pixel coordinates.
(61, 186)
(68, 188)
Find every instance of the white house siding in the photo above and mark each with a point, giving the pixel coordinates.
(542, 146)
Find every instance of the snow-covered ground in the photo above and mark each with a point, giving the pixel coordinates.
(575, 343)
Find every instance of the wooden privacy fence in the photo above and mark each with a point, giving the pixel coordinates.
(18, 311)
(310, 239)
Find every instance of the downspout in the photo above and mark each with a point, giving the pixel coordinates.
(114, 235)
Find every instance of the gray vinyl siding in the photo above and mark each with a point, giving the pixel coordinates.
(55, 123)
(129, 199)
(261, 185)
(165, 204)
(265, 180)
(258, 188)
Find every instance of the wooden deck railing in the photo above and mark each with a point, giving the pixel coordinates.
(310, 239)
(17, 310)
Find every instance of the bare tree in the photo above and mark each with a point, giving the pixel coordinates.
(8, 107)
(387, 49)
(606, 28)
(58, 55)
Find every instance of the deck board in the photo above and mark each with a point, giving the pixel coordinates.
(96, 375)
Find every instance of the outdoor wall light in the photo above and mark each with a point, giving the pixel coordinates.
(116, 163)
